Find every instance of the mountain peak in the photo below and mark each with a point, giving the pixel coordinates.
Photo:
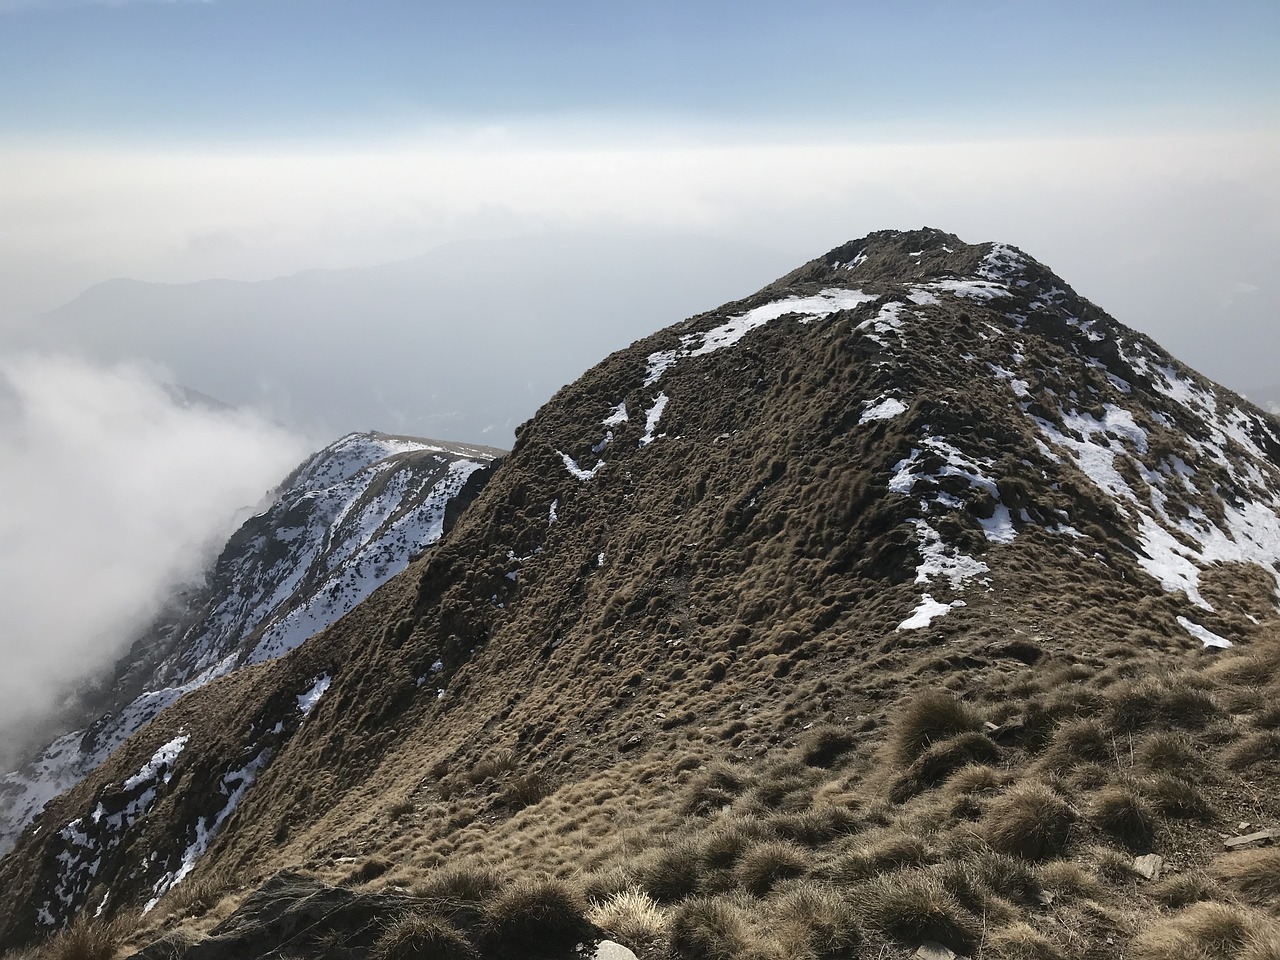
(889, 555)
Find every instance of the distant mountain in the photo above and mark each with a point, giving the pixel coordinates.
(911, 606)
(464, 342)
(342, 524)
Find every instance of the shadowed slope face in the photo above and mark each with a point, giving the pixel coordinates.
(343, 523)
(910, 458)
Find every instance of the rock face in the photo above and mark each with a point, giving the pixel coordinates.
(910, 463)
(343, 523)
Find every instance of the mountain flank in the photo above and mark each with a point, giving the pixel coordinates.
(911, 603)
(341, 524)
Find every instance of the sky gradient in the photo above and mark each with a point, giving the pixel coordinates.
(213, 69)
(178, 140)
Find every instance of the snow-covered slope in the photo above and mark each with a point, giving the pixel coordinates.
(344, 522)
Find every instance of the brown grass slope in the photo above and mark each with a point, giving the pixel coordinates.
(686, 702)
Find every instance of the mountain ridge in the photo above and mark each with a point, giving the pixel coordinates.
(341, 523)
(910, 464)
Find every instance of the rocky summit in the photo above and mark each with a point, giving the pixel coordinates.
(912, 606)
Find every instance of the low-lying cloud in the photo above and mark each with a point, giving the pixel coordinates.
(113, 491)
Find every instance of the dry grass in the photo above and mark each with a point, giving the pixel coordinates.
(672, 873)
(1170, 701)
(90, 939)
(879, 853)
(821, 917)
(1176, 798)
(1169, 751)
(1256, 748)
(706, 928)
(933, 716)
(913, 905)
(822, 746)
(631, 918)
(535, 918)
(1121, 813)
(1076, 742)
(1206, 931)
(1030, 821)
(764, 865)
(1253, 874)
(1066, 880)
(423, 938)
(1020, 941)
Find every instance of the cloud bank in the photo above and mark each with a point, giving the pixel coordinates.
(111, 494)
(1176, 235)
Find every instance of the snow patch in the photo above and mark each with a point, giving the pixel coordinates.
(233, 786)
(939, 559)
(983, 290)
(651, 418)
(571, 465)
(1205, 636)
(163, 758)
(307, 701)
(926, 612)
(727, 334)
(886, 409)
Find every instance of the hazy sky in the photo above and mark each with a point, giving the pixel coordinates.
(1135, 147)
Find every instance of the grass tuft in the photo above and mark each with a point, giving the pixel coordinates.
(823, 746)
(1119, 812)
(631, 918)
(822, 917)
(1029, 821)
(912, 906)
(1261, 747)
(930, 718)
(1254, 874)
(705, 928)
(1161, 702)
(671, 873)
(1201, 932)
(1020, 941)
(535, 918)
(420, 937)
(764, 865)
(1183, 889)
(88, 939)
(1176, 798)
(470, 883)
(890, 852)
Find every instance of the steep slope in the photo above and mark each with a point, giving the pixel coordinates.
(344, 522)
(691, 637)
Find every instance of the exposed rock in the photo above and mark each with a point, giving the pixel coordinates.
(608, 950)
(1149, 867)
(1248, 840)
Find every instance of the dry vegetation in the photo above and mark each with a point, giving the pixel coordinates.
(714, 743)
(809, 849)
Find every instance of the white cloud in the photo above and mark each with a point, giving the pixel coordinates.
(112, 494)
(1122, 218)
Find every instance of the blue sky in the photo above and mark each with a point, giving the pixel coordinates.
(220, 69)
